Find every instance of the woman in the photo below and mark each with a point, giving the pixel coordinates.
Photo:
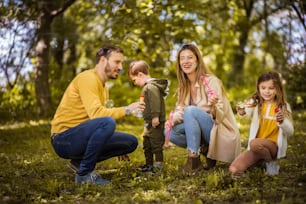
(203, 120)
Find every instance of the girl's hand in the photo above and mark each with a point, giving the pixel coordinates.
(279, 115)
(240, 108)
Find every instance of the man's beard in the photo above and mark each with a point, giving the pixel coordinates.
(108, 72)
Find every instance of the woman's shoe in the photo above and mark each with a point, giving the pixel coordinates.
(210, 163)
(193, 165)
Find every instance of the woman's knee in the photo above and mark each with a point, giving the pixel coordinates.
(190, 110)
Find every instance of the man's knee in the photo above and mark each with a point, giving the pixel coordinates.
(134, 143)
(107, 123)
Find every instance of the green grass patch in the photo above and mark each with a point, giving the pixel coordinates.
(30, 172)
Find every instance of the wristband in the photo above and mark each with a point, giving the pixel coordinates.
(127, 110)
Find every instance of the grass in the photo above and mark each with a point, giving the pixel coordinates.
(30, 172)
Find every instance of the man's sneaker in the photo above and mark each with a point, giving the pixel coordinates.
(91, 178)
(74, 165)
(272, 168)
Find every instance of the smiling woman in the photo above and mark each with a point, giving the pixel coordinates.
(208, 125)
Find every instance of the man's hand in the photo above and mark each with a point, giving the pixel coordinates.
(136, 107)
(124, 157)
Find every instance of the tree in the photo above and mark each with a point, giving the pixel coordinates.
(47, 11)
(236, 37)
(256, 13)
(14, 51)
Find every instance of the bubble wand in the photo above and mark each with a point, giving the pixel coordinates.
(210, 91)
(141, 99)
(168, 132)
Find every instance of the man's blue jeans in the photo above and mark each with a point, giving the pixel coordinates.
(93, 141)
(194, 131)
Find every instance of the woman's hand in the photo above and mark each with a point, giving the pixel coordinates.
(213, 99)
(178, 115)
(168, 125)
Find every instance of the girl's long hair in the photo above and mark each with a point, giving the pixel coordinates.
(184, 82)
(280, 97)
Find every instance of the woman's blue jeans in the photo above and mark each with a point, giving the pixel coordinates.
(93, 141)
(194, 131)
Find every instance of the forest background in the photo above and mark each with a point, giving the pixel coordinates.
(45, 43)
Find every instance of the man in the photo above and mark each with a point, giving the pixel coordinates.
(83, 128)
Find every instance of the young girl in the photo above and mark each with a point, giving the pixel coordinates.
(271, 125)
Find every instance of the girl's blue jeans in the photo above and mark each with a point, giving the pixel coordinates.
(194, 131)
(93, 141)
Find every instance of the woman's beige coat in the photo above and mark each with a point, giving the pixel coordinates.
(225, 137)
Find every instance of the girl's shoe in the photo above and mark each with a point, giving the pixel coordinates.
(272, 168)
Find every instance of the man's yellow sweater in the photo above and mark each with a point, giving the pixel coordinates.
(83, 100)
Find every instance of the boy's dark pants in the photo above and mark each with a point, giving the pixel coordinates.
(153, 142)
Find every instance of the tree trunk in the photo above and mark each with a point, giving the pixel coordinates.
(42, 88)
(243, 25)
(236, 75)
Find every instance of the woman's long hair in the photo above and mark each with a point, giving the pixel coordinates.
(184, 82)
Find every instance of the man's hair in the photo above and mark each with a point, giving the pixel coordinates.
(106, 50)
(138, 66)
